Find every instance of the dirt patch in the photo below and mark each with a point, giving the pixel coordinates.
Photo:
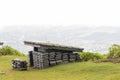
(9, 72)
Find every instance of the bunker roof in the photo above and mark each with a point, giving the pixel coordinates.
(53, 46)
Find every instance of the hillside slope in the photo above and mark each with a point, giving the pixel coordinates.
(71, 71)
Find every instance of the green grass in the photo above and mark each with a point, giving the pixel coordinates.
(70, 71)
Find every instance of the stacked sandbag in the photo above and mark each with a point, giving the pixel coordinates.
(40, 60)
(72, 57)
(45, 60)
(65, 58)
(19, 64)
(78, 57)
(52, 60)
(58, 57)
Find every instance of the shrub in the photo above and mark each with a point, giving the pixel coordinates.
(86, 56)
(114, 51)
(91, 56)
(7, 50)
(98, 56)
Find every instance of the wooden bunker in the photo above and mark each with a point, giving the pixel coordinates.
(47, 54)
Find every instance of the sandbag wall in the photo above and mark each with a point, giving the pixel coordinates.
(40, 60)
(19, 64)
(43, 59)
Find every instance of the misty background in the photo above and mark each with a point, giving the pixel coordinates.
(93, 39)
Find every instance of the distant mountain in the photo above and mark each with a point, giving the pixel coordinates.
(92, 39)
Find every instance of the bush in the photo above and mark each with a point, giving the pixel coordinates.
(7, 50)
(114, 51)
(85, 56)
(98, 56)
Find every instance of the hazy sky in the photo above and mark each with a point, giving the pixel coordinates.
(24, 20)
(93, 13)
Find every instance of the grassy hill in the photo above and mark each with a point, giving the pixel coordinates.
(70, 71)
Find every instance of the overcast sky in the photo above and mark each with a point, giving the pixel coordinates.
(17, 16)
(91, 13)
